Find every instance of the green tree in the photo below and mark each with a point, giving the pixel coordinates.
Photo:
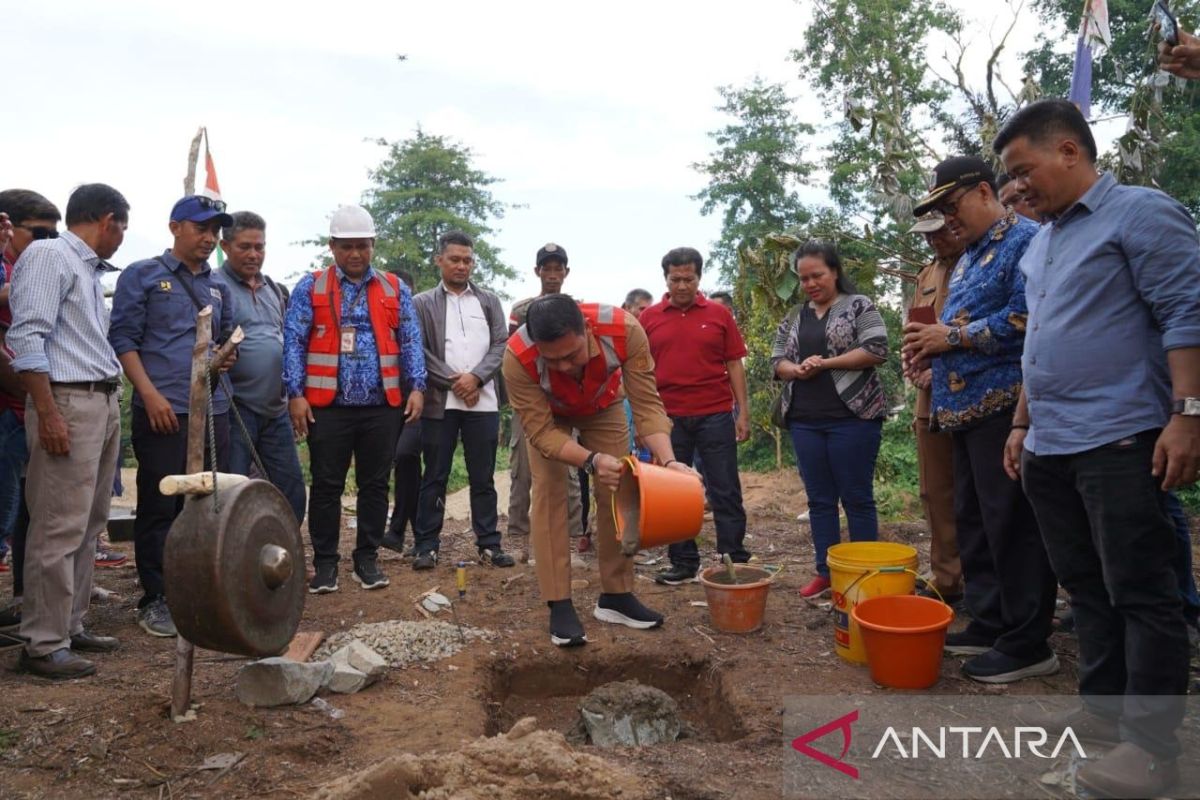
(427, 185)
(755, 170)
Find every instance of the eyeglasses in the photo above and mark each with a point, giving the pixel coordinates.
(209, 204)
(40, 231)
(950, 209)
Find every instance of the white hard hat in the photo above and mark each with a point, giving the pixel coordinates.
(351, 222)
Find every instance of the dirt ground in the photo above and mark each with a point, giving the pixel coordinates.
(109, 736)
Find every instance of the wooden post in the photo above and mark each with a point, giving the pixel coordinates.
(181, 686)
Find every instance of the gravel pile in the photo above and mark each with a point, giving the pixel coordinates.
(403, 642)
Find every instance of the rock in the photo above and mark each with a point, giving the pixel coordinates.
(362, 658)
(345, 679)
(280, 681)
(522, 727)
(628, 713)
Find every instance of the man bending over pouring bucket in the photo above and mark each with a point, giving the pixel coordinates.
(564, 369)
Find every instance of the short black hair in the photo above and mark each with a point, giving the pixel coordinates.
(407, 277)
(682, 256)
(828, 252)
(1039, 120)
(91, 202)
(553, 317)
(22, 205)
(243, 221)
(637, 294)
(454, 237)
(721, 295)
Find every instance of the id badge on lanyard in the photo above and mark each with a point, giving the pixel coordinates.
(347, 339)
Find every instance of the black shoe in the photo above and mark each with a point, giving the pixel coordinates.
(966, 643)
(1066, 622)
(86, 641)
(393, 541)
(625, 609)
(676, 575)
(495, 556)
(565, 628)
(325, 579)
(61, 665)
(10, 615)
(996, 667)
(368, 575)
(426, 560)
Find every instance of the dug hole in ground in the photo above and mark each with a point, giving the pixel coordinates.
(443, 728)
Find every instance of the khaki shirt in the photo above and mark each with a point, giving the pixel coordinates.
(933, 284)
(637, 372)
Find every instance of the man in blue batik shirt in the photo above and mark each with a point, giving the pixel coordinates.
(351, 352)
(975, 353)
(1108, 422)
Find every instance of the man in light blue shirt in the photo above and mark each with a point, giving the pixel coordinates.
(1109, 420)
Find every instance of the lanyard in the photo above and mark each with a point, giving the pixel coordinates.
(357, 301)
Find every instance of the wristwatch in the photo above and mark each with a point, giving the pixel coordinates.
(589, 466)
(1188, 407)
(954, 337)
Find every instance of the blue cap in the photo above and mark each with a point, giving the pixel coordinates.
(199, 208)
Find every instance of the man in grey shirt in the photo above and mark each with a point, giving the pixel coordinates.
(257, 377)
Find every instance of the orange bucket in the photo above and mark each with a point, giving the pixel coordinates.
(736, 607)
(903, 635)
(654, 506)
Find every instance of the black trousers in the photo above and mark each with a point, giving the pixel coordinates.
(159, 455)
(712, 437)
(1010, 587)
(368, 435)
(407, 480)
(1113, 546)
(480, 433)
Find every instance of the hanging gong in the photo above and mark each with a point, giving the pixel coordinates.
(235, 575)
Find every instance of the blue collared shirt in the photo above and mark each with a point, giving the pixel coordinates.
(987, 297)
(154, 315)
(1112, 285)
(359, 381)
(60, 323)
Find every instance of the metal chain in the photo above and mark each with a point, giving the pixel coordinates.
(245, 431)
(212, 437)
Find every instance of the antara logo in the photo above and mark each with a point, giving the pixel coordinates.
(1024, 740)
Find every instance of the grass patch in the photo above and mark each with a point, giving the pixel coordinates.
(9, 738)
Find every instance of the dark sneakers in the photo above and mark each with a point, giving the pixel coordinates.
(155, 619)
(61, 665)
(625, 609)
(90, 642)
(426, 560)
(495, 556)
(675, 575)
(565, 628)
(368, 575)
(325, 579)
(968, 643)
(1128, 771)
(996, 667)
(393, 542)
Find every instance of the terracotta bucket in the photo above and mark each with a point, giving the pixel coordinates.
(654, 506)
(736, 608)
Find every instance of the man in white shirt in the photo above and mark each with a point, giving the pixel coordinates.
(463, 328)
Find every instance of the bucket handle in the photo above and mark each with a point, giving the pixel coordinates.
(627, 461)
(874, 573)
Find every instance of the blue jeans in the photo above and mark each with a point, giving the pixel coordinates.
(13, 457)
(836, 458)
(713, 436)
(1183, 559)
(276, 446)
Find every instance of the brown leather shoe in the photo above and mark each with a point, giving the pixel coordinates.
(1128, 771)
(90, 642)
(1087, 726)
(61, 665)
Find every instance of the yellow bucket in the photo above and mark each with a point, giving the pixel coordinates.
(858, 570)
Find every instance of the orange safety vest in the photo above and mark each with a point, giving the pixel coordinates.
(324, 339)
(601, 382)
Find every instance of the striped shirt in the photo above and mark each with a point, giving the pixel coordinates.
(60, 323)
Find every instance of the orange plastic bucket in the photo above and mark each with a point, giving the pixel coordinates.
(903, 636)
(736, 608)
(654, 506)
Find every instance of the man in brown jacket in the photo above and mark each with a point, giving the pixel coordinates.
(935, 451)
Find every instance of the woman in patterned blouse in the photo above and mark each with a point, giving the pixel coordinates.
(826, 350)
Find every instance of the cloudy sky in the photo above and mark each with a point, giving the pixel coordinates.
(591, 114)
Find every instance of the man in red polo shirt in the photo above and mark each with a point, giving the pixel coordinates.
(698, 351)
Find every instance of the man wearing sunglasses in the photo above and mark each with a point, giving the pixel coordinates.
(154, 331)
(975, 353)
